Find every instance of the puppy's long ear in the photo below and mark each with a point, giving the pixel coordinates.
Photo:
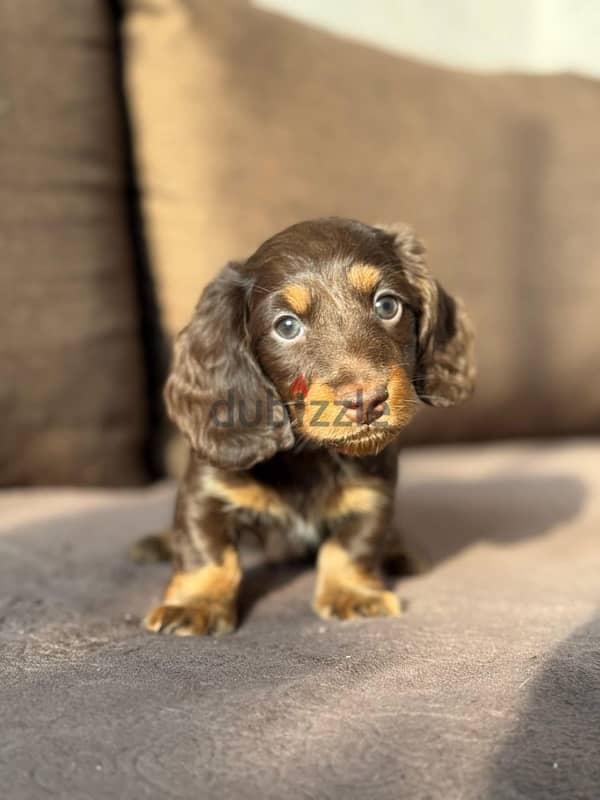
(445, 372)
(216, 392)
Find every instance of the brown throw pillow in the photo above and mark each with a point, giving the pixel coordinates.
(246, 122)
(71, 381)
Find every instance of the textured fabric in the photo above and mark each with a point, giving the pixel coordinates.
(246, 122)
(487, 687)
(71, 384)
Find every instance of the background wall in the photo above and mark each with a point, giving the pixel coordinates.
(524, 35)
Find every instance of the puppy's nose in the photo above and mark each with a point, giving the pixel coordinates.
(364, 404)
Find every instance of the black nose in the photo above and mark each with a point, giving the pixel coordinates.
(364, 404)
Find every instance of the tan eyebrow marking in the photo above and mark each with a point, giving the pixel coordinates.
(297, 297)
(364, 277)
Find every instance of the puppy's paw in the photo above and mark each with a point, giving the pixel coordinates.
(346, 602)
(204, 617)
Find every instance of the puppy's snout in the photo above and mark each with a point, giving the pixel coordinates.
(364, 404)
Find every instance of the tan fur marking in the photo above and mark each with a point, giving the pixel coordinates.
(356, 500)
(200, 601)
(345, 590)
(215, 581)
(402, 398)
(297, 297)
(250, 494)
(320, 394)
(364, 277)
(334, 562)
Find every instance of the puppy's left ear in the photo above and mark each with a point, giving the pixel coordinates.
(445, 371)
(216, 393)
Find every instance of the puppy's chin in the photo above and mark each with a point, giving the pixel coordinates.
(363, 441)
(366, 444)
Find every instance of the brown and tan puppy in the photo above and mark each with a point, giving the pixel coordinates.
(296, 374)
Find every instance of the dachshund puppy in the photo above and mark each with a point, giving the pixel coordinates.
(292, 381)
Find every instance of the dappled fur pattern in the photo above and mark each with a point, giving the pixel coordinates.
(296, 441)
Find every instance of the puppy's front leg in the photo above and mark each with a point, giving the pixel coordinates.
(201, 596)
(348, 580)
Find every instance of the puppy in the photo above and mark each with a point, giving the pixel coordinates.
(292, 381)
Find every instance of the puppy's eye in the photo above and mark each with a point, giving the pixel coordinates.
(288, 327)
(388, 307)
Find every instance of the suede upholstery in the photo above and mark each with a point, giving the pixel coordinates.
(72, 405)
(486, 687)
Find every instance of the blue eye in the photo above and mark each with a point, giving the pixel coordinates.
(388, 307)
(288, 327)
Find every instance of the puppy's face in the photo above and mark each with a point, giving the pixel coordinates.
(335, 330)
(331, 331)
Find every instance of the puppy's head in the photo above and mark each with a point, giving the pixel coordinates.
(331, 331)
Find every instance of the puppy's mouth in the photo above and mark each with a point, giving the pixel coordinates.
(353, 439)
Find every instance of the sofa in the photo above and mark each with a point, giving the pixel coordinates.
(146, 142)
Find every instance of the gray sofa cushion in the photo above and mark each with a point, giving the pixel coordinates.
(487, 687)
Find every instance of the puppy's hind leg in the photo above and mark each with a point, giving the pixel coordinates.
(153, 548)
(398, 559)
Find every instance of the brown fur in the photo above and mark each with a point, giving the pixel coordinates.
(296, 441)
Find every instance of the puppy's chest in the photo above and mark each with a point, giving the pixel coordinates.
(291, 505)
(274, 504)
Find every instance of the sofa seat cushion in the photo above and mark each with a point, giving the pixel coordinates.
(487, 686)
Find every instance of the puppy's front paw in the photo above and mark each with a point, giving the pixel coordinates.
(345, 602)
(204, 617)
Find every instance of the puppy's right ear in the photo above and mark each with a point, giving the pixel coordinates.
(445, 356)
(216, 393)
